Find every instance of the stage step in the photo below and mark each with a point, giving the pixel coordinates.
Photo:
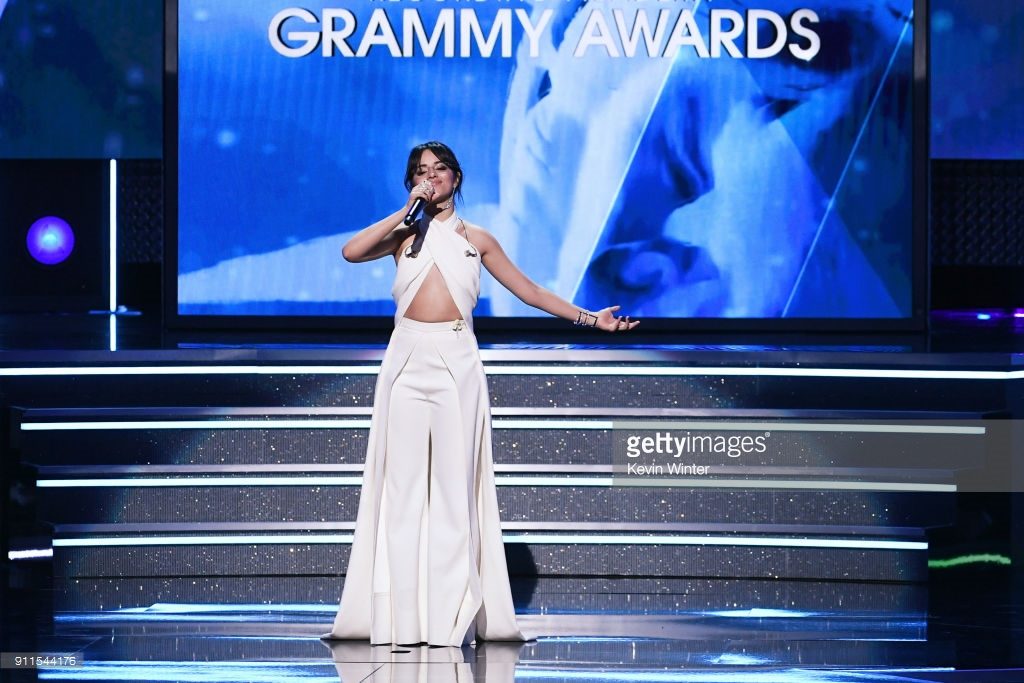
(150, 494)
(269, 438)
(545, 595)
(119, 500)
(664, 380)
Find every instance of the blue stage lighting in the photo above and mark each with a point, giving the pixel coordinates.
(50, 240)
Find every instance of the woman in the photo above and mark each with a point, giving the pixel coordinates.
(427, 561)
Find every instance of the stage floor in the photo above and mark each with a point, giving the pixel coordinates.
(973, 639)
(970, 627)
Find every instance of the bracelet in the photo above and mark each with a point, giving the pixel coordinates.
(584, 317)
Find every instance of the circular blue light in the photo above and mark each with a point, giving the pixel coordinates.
(50, 240)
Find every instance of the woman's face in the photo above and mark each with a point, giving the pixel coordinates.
(438, 173)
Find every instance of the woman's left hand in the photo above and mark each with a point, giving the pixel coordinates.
(607, 321)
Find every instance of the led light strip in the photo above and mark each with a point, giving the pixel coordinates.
(537, 539)
(627, 423)
(526, 370)
(604, 482)
(194, 424)
(794, 674)
(34, 554)
(112, 231)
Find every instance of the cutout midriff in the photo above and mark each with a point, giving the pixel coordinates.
(433, 302)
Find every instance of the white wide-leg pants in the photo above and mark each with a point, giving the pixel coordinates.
(427, 507)
(427, 562)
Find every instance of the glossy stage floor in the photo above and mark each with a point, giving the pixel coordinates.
(179, 506)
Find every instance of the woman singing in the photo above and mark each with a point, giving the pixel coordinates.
(427, 562)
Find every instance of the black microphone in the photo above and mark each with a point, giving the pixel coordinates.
(417, 206)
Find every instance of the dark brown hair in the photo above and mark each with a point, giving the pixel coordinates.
(443, 153)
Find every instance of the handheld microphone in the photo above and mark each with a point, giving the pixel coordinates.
(417, 206)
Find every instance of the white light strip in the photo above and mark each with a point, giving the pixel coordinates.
(525, 370)
(194, 424)
(285, 424)
(113, 332)
(113, 236)
(284, 539)
(605, 482)
(544, 423)
(661, 371)
(29, 554)
(807, 484)
(628, 423)
(545, 539)
(757, 541)
(170, 482)
(790, 675)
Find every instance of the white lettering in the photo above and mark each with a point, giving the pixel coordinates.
(310, 39)
(412, 29)
(533, 31)
(379, 32)
(336, 37)
(471, 30)
(340, 30)
(596, 32)
(721, 38)
(814, 42)
(754, 18)
(685, 32)
(641, 29)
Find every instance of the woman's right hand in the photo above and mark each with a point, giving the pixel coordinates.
(424, 191)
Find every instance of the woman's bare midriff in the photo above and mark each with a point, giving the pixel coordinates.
(433, 302)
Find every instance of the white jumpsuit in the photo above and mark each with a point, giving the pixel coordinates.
(427, 561)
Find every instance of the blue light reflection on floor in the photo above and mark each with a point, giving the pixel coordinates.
(257, 672)
(725, 664)
(759, 676)
(737, 659)
(169, 607)
(269, 672)
(82, 618)
(170, 612)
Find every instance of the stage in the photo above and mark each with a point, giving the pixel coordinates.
(805, 464)
(181, 507)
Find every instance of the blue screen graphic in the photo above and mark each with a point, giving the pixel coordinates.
(730, 161)
(81, 79)
(977, 72)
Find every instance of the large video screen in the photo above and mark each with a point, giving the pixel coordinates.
(681, 158)
(977, 117)
(80, 80)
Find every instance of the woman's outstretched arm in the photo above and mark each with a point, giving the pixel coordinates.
(529, 292)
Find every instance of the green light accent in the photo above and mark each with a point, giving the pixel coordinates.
(968, 559)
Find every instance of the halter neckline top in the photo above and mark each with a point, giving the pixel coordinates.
(456, 258)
